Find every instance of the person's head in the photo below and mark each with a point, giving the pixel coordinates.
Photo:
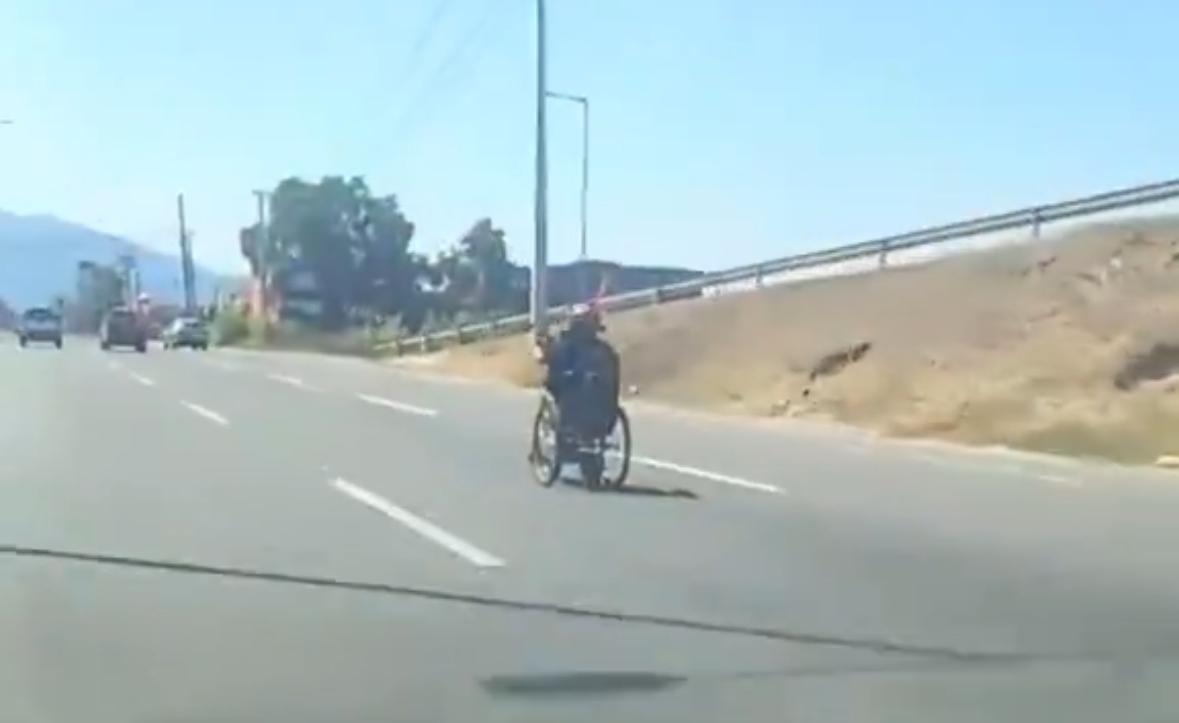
(585, 322)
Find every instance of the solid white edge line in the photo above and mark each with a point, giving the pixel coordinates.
(705, 474)
(142, 379)
(205, 412)
(399, 406)
(997, 468)
(423, 527)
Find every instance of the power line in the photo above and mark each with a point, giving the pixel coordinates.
(457, 54)
(413, 59)
(427, 34)
(438, 79)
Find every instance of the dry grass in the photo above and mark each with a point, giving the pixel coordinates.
(1019, 347)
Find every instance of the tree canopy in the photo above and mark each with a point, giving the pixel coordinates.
(7, 315)
(477, 274)
(356, 246)
(98, 288)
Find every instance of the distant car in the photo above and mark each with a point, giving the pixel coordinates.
(39, 324)
(122, 327)
(186, 331)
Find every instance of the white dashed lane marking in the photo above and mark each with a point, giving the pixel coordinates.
(421, 526)
(399, 406)
(220, 364)
(142, 379)
(293, 381)
(205, 412)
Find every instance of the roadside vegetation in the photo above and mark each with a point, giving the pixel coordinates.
(232, 327)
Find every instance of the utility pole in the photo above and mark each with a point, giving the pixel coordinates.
(584, 177)
(540, 257)
(186, 260)
(263, 241)
(129, 273)
(585, 125)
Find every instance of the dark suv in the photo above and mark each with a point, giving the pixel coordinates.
(39, 324)
(122, 327)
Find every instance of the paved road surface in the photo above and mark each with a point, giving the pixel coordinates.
(285, 537)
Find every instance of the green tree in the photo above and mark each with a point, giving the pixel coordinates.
(476, 275)
(7, 315)
(388, 272)
(353, 243)
(98, 289)
(250, 240)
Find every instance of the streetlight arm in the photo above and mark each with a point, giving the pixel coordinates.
(566, 96)
(585, 107)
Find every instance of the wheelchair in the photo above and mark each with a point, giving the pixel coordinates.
(588, 428)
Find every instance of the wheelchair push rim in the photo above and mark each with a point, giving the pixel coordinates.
(544, 455)
(616, 451)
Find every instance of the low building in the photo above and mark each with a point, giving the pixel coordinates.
(286, 294)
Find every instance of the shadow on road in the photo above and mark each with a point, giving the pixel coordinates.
(584, 683)
(632, 490)
(579, 683)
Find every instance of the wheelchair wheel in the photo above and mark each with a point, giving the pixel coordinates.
(544, 456)
(616, 453)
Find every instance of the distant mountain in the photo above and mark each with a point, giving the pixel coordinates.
(39, 257)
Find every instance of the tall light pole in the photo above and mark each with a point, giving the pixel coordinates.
(585, 110)
(540, 257)
(186, 267)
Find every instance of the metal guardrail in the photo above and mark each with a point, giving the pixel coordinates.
(1033, 216)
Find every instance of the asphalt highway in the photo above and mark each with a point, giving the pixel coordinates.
(242, 536)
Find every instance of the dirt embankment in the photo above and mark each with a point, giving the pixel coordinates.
(1068, 346)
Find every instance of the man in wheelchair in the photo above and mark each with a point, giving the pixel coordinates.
(582, 375)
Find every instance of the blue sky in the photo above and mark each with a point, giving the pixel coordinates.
(724, 131)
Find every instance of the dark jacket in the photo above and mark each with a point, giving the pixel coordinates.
(570, 359)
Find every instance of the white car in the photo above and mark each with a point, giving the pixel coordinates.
(186, 331)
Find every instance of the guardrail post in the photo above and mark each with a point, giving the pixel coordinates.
(883, 261)
(425, 344)
(1037, 220)
(397, 346)
(759, 278)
